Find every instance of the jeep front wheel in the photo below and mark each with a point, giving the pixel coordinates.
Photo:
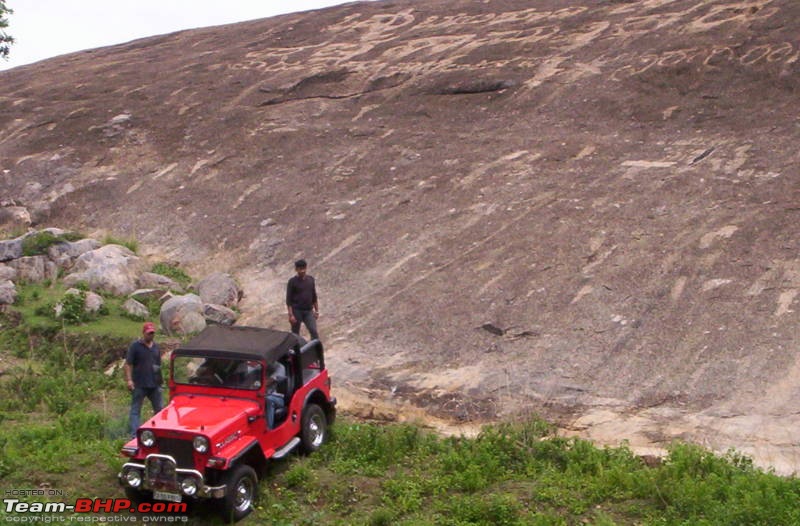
(240, 493)
(314, 429)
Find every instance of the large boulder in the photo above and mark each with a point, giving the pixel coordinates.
(219, 314)
(135, 309)
(219, 289)
(151, 280)
(7, 273)
(183, 315)
(93, 303)
(8, 292)
(11, 249)
(66, 252)
(34, 269)
(112, 268)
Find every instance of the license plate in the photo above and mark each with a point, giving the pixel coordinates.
(171, 497)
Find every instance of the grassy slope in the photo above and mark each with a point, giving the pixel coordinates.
(62, 422)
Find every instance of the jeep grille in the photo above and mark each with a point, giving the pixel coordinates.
(179, 449)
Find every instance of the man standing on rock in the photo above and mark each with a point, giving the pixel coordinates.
(301, 300)
(143, 374)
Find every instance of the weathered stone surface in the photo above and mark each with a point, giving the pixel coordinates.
(134, 308)
(72, 249)
(11, 249)
(219, 314)
(574, 169)
(112, 268)
(151, 280)
(219, 289)
(7, 272)
(93, 303)
(183, 315)
(8, 292)
(33, 269)
(14, 218)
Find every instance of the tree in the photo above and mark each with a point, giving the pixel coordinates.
(5, 39)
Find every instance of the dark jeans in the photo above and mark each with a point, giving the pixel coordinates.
(307, 317)
(274, 401)
(137, 397)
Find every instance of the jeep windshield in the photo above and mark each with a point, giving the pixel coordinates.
(217, 372)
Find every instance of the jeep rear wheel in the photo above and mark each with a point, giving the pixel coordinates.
(314, 428)
(240, 493)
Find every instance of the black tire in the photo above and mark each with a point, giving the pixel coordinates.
(138, 496)
(314, 428)
(240, 493)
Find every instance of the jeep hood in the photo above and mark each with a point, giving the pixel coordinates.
(209, 415)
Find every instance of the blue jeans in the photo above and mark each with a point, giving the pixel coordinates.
(137, 397)
(274, 401)
(307, 317)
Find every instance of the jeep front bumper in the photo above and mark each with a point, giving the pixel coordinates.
(160, 474)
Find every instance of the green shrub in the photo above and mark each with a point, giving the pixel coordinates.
(73, 308)
(37, 244)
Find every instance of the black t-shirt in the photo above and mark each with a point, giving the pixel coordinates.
(301, 293)
(146, 364)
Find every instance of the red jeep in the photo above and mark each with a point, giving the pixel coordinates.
(213, 437)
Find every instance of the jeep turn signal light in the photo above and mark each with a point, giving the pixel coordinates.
(215, 462)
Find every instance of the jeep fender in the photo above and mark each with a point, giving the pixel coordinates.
(251, 454)
(316, 396)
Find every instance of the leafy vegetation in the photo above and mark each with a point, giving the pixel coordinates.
(174, 272)
(63, 420)
(37, 244)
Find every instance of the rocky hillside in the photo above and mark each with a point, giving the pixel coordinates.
(584, 209)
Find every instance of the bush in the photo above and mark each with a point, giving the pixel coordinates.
(37, 244)
(73, 308)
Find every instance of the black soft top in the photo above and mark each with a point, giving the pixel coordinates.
(249, 343)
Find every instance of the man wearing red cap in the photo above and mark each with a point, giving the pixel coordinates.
(143, 374)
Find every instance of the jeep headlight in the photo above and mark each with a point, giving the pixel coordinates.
(189, 486)
(200, 444)
(133, 478)
(147, 438)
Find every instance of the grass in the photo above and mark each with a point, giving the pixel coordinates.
(174, 272)
(63, 420)
(129, 243)
(36, 298)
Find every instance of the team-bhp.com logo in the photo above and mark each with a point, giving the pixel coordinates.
(114, 506)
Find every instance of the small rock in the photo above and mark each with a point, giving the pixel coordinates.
(8, 292)
(183, 315)
(120, 119)
(11, 249)
(151, 280)
(14, 217)
(7, 273)
(219, 314)
(134, 308)
(149, 294)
